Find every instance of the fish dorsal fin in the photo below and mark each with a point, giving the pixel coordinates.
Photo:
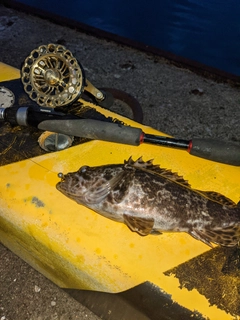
(218, 197)
(228, 237)
(149, 166)
(142, 226)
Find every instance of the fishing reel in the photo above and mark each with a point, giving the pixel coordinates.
(52, 77)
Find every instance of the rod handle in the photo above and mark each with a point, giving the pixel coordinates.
(95, 129)
(215, 150)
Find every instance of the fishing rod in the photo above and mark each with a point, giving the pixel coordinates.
(211, 149)
(52, 77)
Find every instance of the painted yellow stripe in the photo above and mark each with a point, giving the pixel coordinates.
(77, 248)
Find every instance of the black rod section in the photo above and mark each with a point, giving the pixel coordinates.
(166, 142)
(31, 116)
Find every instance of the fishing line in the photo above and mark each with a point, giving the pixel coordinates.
(8, 147)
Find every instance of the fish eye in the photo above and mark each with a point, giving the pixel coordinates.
(83, 169)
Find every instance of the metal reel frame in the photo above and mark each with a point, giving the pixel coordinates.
(52, 77)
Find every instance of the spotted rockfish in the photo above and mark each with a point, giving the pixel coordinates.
(151, 200)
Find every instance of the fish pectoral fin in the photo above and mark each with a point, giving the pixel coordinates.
(96, 194)
(227, 237)
(142, 226)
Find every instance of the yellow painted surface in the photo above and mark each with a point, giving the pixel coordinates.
(77, 248)
(8, 72)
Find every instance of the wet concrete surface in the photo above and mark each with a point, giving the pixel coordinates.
(174, 100)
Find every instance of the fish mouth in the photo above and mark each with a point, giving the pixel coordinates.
(61, 185)
(58, 185)
(63, 188)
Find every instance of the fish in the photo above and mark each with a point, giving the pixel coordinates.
(152, 200)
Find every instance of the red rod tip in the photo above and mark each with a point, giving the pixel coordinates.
(142, 137)
(189, 146)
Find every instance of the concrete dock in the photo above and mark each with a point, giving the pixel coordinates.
(174, 100)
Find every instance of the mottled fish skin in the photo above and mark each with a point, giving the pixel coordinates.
(152, 200)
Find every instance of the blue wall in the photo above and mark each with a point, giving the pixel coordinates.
(207, 31)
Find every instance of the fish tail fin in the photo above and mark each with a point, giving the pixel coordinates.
(227, 237)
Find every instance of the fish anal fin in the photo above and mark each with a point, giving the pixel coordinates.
(218, 197)
(199, 235)
(156, 232)
(143, 226)
(227, 237)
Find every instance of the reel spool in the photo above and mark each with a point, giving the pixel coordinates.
(52, 77)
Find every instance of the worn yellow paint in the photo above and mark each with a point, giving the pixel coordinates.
(77, 248)
(8, 72)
